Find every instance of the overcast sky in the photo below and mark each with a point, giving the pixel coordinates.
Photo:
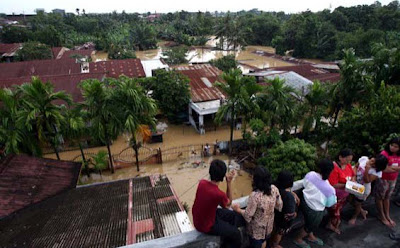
(163, 6)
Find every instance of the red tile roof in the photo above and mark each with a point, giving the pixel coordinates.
(26, 180)
(9, 49)
(197, 75)
(39, 67)
(116, 68)
(68, 83)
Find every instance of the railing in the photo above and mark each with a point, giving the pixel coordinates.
(128, 155)
(182, 152)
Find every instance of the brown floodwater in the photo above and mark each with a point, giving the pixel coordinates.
(183, 175)
(100, 56)
(174, 136)
(205, 54)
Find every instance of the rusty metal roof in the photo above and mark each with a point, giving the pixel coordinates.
(116, 68)
(110, 214)
(202, 78)
(7, 50)
(68, 83)
(39, 68)
(26, 180)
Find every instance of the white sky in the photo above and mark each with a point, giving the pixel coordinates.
(163, 6)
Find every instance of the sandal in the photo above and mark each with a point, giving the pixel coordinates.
(397, 203)
(318, 241)
(302, 245)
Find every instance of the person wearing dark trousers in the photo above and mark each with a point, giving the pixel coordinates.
(210, 219)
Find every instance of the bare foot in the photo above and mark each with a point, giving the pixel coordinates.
(385, 222)
(332, 228)
(364, 214)
(392, 223)
(352, 221)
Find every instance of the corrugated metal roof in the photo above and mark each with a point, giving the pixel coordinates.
(116, 68)
(7, 50)
(200, 92)
(110, 214)
(68, 83)
(26, 180)
(308, 71)
(39, 68)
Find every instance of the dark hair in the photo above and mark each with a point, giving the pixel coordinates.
(395, 140)
(285, 180)
(345, 152)
(380, 162)
(262, 180)
(217, 170)
(325, 167)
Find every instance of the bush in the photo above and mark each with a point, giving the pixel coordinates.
(225, 63)
(293, 155)
(175, 55)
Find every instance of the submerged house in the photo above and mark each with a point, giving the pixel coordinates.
(205, 97)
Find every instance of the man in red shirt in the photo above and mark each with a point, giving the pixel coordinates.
(210, 219)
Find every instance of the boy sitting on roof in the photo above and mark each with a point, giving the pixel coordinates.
(210, 219)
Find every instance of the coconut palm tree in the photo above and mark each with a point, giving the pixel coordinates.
(13, 134)
(41, 113)
(240, 92)
(76, 129)
(316, 103)
(102, 113)
(278, 102)
(138, 110)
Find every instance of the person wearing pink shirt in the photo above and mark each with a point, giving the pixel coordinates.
(385, 186)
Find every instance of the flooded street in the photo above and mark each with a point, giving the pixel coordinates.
(174, 135)
(184, 176)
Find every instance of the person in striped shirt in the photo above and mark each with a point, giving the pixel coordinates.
(318, 194)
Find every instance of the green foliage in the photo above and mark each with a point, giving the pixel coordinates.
(171, 92)
(241, 100)
(12, 34)
(100, 160)
(33, 51)
(365, 128)
(293, 155)
(175, 55)
(144, 37)
(116, 52)
(259, 138)
(225, 63)
(279, 105)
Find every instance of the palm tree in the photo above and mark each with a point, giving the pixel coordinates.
(102, 113)
(76, 128)
(354, 86)
(316, 102)
(40, 113)
(223, 29)
(137, 109)
(240, 92)
(13, 134)
(278, 102)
